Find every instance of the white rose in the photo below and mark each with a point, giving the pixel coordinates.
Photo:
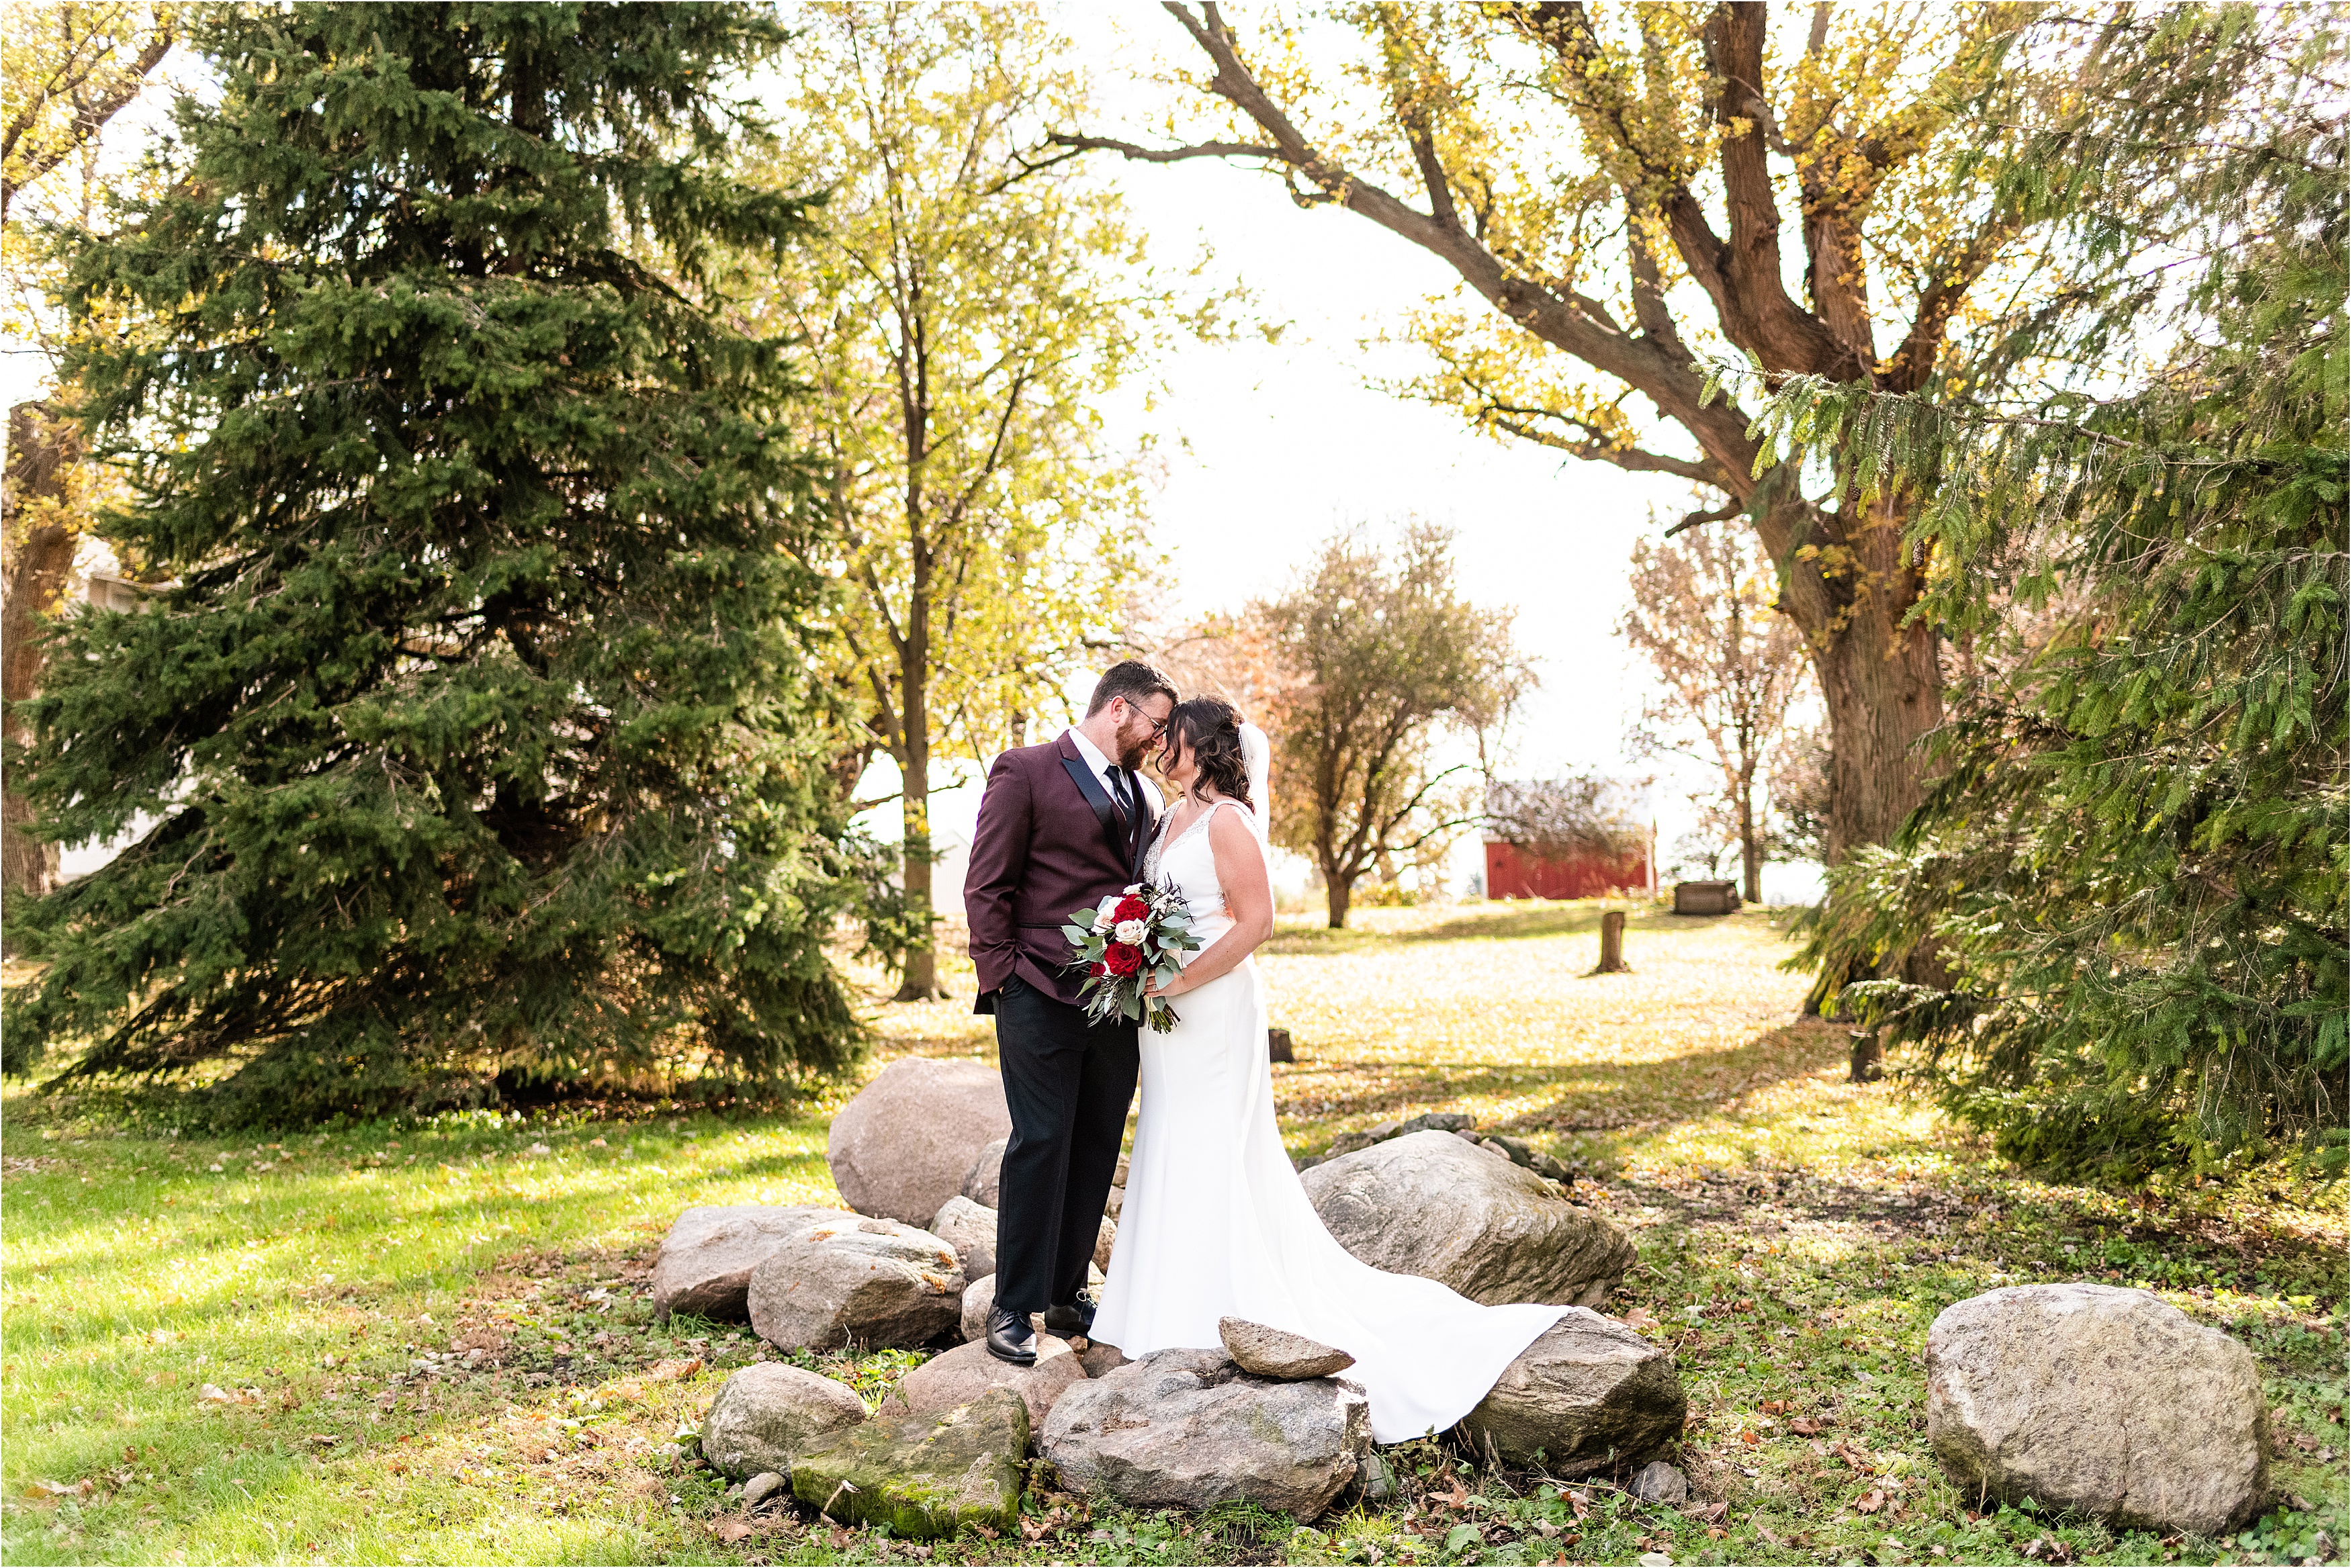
(1107, 907)
(1131, 931)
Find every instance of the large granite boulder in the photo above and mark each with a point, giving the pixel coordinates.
(846, 1280)
(983, 1182)
(766, 1415)
(903, 1146)
(925, 1474)
(1587, 1395)
(2097, 1398)
(970, 1229)
(704, 1267)
(1438, 1206)
(1188, 1429)
(958, 1377)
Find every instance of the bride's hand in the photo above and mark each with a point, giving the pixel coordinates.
(1175, 987)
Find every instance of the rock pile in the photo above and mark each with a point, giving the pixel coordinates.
(1268, 1418)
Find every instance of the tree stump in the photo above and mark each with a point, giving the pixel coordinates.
(1612, 944)
(1868, 1057)
(1278, 1047)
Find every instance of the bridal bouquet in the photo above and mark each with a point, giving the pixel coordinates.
(1124, 942)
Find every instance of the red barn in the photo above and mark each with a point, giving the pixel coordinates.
(1514, 873)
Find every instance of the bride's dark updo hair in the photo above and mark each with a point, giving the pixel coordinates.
(1210, 729)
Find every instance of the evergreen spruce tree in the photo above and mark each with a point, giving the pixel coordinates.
(2133, 862)
(472, 742)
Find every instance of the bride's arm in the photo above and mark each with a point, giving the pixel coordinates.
(1248, 901)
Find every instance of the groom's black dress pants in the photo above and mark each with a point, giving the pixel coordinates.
(1068, 1084)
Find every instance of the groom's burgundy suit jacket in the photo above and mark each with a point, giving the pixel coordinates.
(1049, 842)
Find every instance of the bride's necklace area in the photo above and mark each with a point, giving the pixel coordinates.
(1169, 835)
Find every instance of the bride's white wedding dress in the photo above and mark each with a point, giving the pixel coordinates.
(1215, 1222)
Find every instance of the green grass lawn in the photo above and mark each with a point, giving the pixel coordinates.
(431, 1343)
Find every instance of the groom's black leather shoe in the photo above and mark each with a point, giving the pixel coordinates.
(1077, 1318)
(1009, 1337)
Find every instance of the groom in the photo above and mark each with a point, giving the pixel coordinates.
(1061, 826)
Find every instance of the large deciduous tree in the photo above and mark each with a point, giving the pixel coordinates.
(471, 745)
(1728, 665)
(1381, 658)
(2133, 862)
(964, 320)
(70, 68)
(1628, 190)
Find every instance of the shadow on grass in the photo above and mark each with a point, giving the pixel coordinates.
(1583, 1096)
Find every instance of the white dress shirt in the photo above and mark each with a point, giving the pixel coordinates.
(1094, 759)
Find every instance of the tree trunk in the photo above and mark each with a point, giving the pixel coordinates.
(1882, 683)
(1612, 944)
(1336, 892)
(1884, 693)
(922, 976)
(39, 533)
(1750, 848)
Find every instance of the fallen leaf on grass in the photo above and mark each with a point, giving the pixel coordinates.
(78, 1488)
(1805, 1427)
(730, 1531)
(325, 1438)
(1871, 1503)
(1639, 1318)
(1773, 1407)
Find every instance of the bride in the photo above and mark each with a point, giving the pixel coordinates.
(1216, 1221)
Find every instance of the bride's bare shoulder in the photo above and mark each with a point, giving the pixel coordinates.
(1231, 826)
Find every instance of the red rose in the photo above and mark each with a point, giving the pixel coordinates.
(1122, 958)
(1130, 909)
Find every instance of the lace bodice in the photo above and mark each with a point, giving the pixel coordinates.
(1188, 862)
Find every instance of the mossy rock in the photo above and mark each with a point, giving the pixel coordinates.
(925, 1476)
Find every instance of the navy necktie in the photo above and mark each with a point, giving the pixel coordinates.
(1119, 793)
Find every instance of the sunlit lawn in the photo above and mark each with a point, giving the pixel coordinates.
(222, 1364)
